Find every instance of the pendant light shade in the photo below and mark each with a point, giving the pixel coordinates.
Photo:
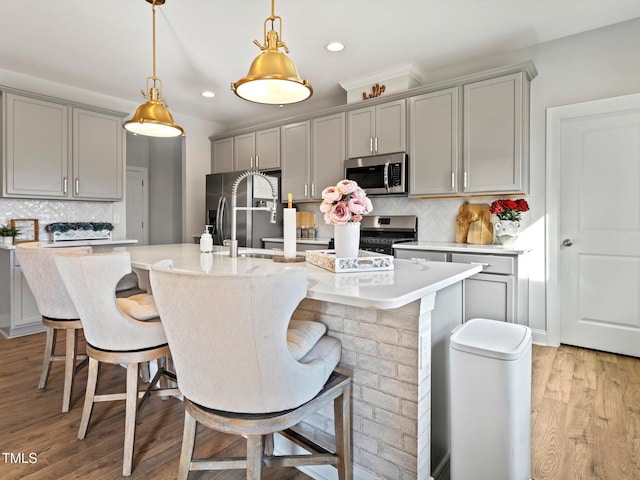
(153, 118)
(273, 77)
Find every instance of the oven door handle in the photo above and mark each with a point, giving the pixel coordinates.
(386, 175)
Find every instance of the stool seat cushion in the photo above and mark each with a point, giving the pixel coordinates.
(141, 306)
(327, 352)
(302, 335)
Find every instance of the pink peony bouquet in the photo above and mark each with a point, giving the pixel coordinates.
(346, 202)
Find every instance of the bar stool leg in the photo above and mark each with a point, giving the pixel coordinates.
(254, 457)
(342, 415)
(130, 418)
(92, 382)
(188, 444)
(49, 347)
(69, 367)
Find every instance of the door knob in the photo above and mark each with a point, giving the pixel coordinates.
(567, 242)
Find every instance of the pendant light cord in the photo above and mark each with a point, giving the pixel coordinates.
(153, 35)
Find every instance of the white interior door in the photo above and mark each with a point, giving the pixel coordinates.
(599, 230)
(138, 204)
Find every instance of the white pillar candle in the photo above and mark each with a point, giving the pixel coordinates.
(289, 221)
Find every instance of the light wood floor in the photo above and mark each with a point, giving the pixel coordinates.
(585, 415)
(585, 422)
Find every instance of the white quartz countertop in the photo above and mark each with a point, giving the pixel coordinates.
(409, 281)
(311, 241)
(461, 247)
(80, 243)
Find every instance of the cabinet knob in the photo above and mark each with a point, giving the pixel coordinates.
(567, 242)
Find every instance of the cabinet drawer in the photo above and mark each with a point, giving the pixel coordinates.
(421, 254)
(491, 263)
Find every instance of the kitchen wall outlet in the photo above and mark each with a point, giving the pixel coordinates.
(116, 218)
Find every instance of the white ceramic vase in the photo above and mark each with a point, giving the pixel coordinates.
(7, 240)
(507, 232)
(347, 239)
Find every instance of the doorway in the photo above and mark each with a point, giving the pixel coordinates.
(593, 220)
(138, 204)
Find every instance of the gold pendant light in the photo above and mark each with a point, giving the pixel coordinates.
(273, 78)
(153, 117)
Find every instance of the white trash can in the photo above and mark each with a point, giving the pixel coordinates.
(490, 369)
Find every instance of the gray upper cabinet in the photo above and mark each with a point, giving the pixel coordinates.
(313, 154)
(377, 130)
(51, 150)
(259, 150)
(268, 149)
(35, 148)
(328, 138)
(496, 135)
(296, 161)
(222, 155)
(434, 142)
(472, 139)
(97, 156)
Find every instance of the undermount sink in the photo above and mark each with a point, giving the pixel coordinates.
(245, 254)
(257, 255)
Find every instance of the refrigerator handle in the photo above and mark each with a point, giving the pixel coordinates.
(221, 211)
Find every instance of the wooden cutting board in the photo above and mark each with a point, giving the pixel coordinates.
(305, 220)
(473, 224)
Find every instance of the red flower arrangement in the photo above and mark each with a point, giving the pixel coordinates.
(509, 209)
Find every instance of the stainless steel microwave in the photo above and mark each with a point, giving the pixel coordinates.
(380, 174)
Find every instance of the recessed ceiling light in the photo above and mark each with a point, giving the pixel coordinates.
(335, 47)
(208, 94)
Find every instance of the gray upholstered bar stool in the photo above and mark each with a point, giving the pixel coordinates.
(237, 374)
(113, 336)
(57, 310)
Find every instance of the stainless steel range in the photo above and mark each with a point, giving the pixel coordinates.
(379, 232)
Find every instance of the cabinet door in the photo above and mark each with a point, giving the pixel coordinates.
(268, 149)
(296, 160)
(36, 151)
(97, 156)
(434, 137)
(489, 296)
(494, 135)
(391, 127)
(25, 310)
(361, 130)
(244, 151)
(328, 152)
(222, 156)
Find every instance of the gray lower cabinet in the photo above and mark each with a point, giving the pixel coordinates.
(500, 292)
(54, 150)
(19, 313)
(300, 247)
(312, 156)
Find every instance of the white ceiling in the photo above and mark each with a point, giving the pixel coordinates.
(105, 46)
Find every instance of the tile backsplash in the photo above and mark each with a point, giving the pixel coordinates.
(436, 216)
(50, 211)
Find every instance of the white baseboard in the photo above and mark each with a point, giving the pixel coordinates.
(539, 337)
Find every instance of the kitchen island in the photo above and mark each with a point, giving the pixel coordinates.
(384, 320)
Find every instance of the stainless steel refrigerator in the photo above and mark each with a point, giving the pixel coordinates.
(251, 226)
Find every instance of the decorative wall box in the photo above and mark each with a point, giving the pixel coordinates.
(364, 262)
(80, 235)
(384, 82)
